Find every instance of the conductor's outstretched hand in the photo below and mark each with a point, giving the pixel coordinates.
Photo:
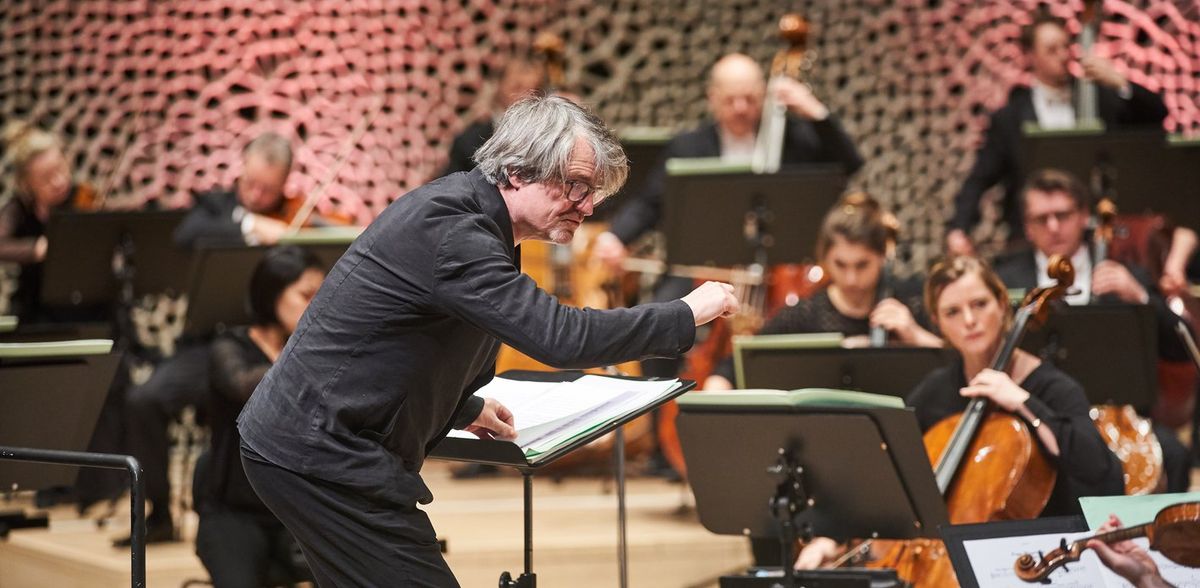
(494, 422)
(711, 300)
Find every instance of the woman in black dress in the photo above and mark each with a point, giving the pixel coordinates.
(240, 541)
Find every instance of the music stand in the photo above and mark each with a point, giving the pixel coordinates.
(1136, 166)
(504, 453)
(731, 219)
(220, 279)
(1079, 340)
(761, 362)
(80, 270)
(953, 536)
(855, 471)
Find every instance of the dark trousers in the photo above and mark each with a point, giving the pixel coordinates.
(178, 382)
(348, 539)
(242, 550)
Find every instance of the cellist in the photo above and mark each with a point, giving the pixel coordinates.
(968, 303)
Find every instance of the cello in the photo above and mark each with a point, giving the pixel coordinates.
(988, 464)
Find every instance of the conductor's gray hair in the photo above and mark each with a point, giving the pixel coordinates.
(534, 139)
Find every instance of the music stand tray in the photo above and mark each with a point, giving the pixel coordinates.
(1079, 340)
(773, 363)
(79, 272)
(220, 279)
(51, 399)
(732, 219)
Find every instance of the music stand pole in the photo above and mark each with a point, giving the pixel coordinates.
(622, 546)
(528, 579)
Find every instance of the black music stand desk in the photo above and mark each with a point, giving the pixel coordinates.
(220, 279)
(768, 466)
(80, 270)
(504, 453)
(1094, 345)
(788, 362)
(732, 219)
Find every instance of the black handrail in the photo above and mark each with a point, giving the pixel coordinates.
(137, 499)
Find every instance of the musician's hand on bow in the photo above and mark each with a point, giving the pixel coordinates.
(893, 315)
(1127, 559)
(717, 382)
(609, 250)
(711, 300)
(1110, 277)
(998, 387)
(1102, 71)
(818, 552)
(495, 421)
(267, 231)
(799, 99)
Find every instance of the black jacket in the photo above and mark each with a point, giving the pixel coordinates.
(210, 221)
(804, 142)
(1019, 270)
(998, 159)
(407, 326)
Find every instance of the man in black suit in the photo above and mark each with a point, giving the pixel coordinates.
(249, 212)
(1055, 207)
(735, 97)
(1049, 102)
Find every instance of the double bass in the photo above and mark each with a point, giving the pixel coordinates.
(988, 466)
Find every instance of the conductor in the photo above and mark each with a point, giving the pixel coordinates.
(406, 328)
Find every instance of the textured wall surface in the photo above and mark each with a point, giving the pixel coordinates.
(156, 98)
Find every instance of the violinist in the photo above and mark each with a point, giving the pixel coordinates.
(1055, 218)
(1048, 101)
(254, 212)
(852, 248)
(42, 185)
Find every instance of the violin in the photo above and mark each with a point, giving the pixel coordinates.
(1174, 532)
(989, 466)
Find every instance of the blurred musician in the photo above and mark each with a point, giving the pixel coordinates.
(254, 212)
(1049, 103)
(852, 248)
(42, 184)
(239, 540)
(735, 96)
(1056, 207)
(519, 78)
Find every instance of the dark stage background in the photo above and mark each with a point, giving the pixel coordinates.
(156, 98)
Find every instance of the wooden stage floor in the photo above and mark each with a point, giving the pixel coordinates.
(575, 538)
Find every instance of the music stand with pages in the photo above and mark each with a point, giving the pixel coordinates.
(841, 472)
(786, 362)
(96, 258)
(505, 453)
(51, 398)
(739, 219)
(954, 537)
(1079, 341)
(1136, 167)
(220, 278)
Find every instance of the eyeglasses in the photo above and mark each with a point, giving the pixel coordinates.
(1043, 220)
(577, 190)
